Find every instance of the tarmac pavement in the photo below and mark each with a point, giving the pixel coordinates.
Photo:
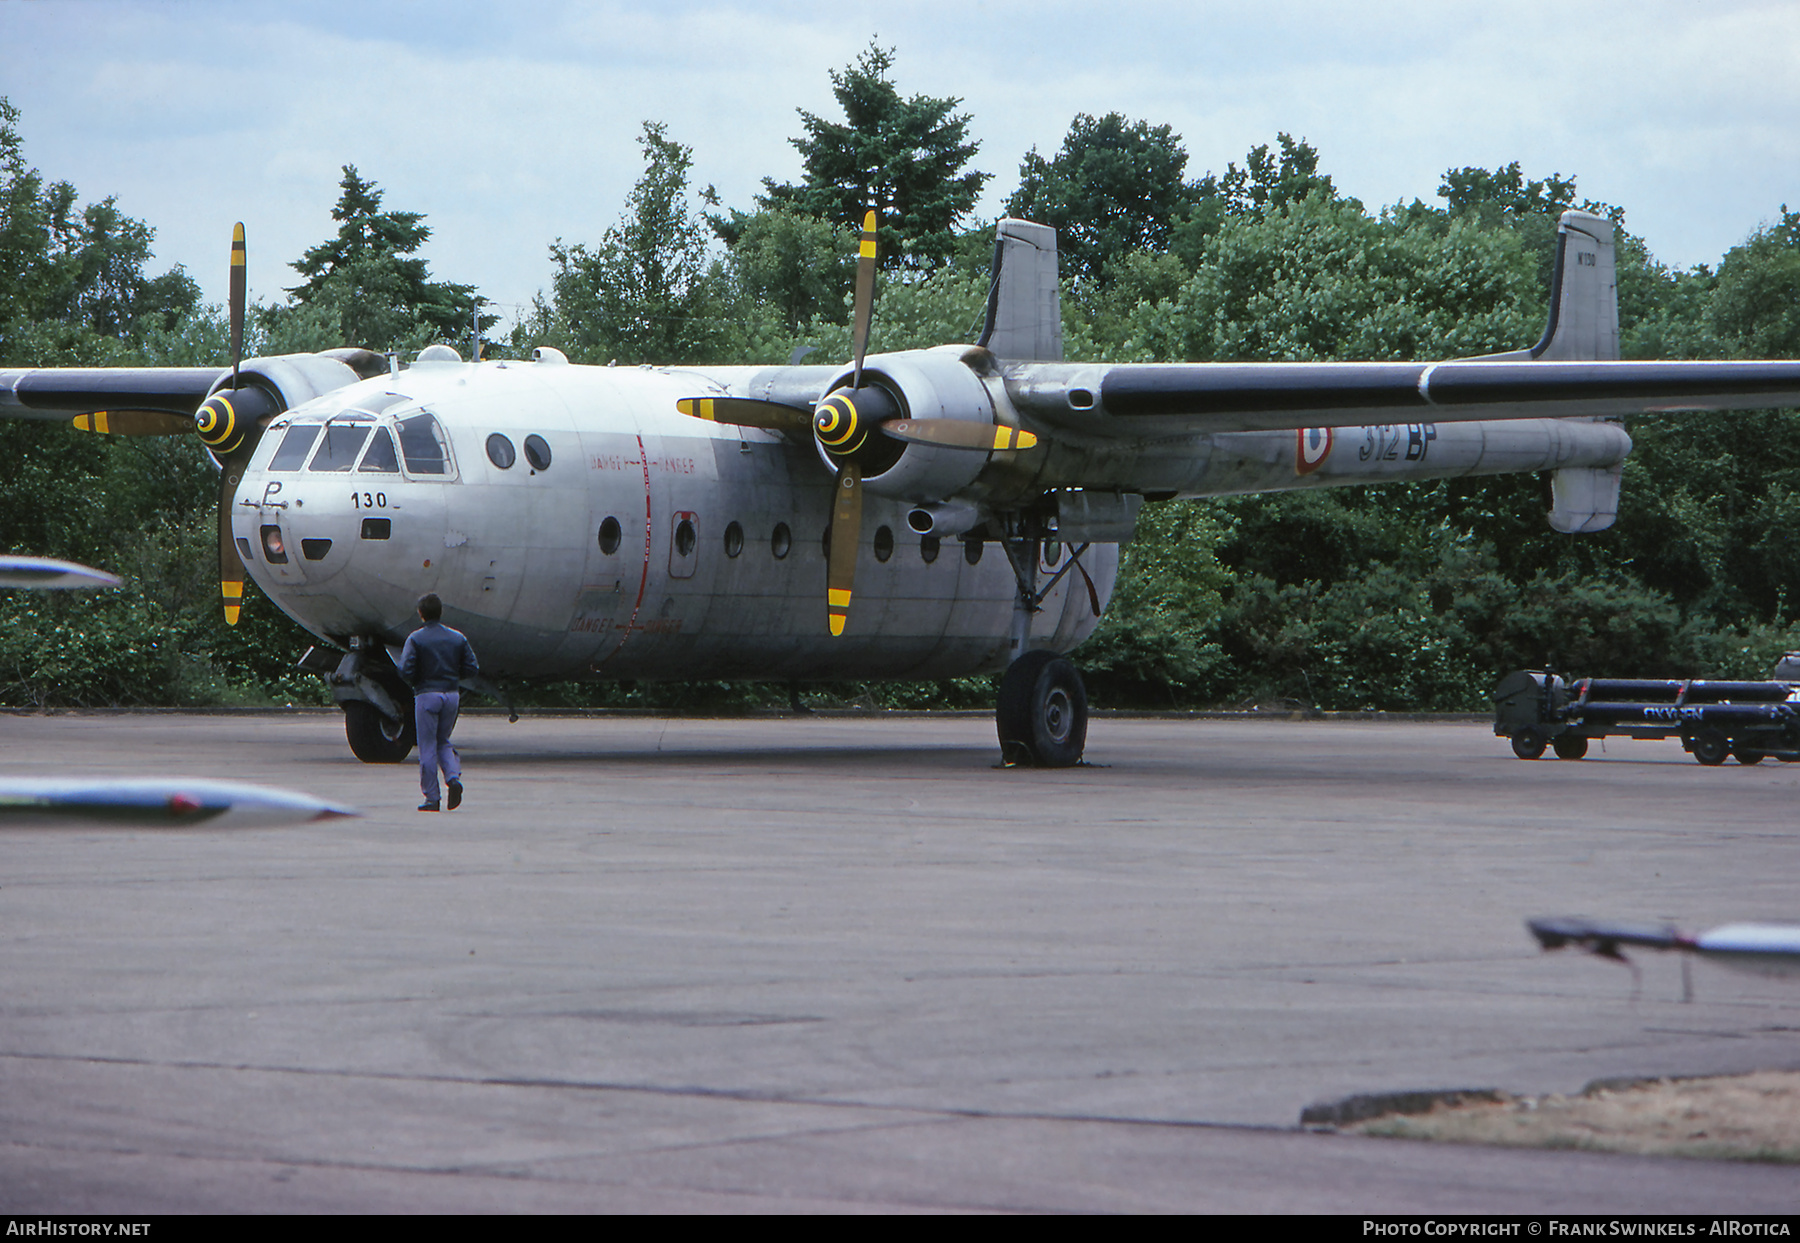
(845, 963)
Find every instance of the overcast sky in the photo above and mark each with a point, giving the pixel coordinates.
(514, 125)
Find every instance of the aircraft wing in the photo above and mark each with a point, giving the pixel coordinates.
(157, 803)
(1136, 401)
(1604, 937)
(60, 392)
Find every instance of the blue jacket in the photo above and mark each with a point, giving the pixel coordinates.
(436, 658)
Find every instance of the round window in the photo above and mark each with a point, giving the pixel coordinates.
(928, 548)
(537, 452)
(1052, 554)
(884, 543)
(781, 541)
(734, 540)
(684, 538)
(500, 451)
(609, 536)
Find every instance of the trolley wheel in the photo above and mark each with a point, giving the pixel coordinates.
(1569, 746)
(1529, 743)
(1711, 746)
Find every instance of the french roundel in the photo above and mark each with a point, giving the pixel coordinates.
(1312, 447)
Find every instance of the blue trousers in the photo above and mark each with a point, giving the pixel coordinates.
(434, 712)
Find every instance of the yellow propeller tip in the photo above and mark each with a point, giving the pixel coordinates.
(231, 614)
(837, 625)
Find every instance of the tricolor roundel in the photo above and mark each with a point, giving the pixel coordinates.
(1312, 446)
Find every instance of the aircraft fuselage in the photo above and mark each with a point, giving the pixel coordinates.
(620, 539)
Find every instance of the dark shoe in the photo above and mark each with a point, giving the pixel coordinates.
(428, 806)
(455, 795)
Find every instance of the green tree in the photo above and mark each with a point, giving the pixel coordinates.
(1267, 182)
(1113, 188)
(648, 292)
(1756, 304)
(1318, 278)
(367, 287)
(795, 265)
(906, 158)
(72, 278)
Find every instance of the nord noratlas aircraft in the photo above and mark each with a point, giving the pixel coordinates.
(918, 514)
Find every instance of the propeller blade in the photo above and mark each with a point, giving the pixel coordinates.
(231, 566)
(865, 296)
(747, 412)
(846, 532)
(957, 434)
(238, 279)
(49, 572)
(135, 423)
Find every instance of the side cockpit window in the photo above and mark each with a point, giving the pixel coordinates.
(380, 457)
(291, 453)
(423, 445)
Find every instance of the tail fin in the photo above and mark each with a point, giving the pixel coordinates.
(1024, 306)
(1584, 293)
(1583, 326)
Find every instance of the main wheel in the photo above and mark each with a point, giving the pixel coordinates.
(1043, 712)
(1711, 746)
(376, 740)
(1569, 746)
(1529, 743)
(1748, 755)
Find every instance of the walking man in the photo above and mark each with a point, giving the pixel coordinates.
(434, 660)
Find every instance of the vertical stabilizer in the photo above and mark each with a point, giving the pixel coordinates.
(1024, 306)
(1583, 327)
(1584, 293)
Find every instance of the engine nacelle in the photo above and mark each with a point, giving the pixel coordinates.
(231, 420)
(294, 378)
(928, 384)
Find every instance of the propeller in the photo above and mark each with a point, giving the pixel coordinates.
(228, 423)
(842, 423)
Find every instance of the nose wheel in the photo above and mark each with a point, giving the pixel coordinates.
(1043, 712)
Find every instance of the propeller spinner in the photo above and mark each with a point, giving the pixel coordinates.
(842, 424)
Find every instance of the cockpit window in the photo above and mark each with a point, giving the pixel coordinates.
(291, 455)
(422, 442)
(342, 443)
(380, 456)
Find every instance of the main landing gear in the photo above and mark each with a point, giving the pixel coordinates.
(1042, 716)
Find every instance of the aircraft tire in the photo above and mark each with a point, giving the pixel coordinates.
(373, 738)
(1529, 743)
(1043, 712)
(1748, 755)
(1711, 746)
(1569, 746)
